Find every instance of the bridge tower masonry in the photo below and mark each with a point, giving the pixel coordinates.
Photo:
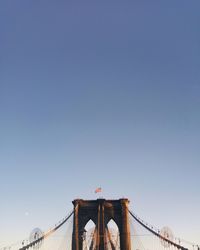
(101, 211)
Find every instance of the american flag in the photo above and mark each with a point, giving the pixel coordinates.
(98, 190)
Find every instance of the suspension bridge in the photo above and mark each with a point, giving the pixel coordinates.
(102, 225)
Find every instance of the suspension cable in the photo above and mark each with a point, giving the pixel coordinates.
(157, 234)
(47, 234)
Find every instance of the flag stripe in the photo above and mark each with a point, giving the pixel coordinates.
(98, 190)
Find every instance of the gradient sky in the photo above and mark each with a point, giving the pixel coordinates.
(99, 93)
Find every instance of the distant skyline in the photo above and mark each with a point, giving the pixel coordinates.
(99, 94)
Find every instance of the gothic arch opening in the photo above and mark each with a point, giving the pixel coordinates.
(89, 225)
(90, 235)
(112, 235)
(112, 224)
(101, 211)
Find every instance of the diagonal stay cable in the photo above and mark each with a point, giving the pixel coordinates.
(157, 234)
(47, 234)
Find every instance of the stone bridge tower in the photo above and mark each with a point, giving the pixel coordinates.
(101, 211)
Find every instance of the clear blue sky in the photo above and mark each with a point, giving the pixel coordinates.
(99, 93)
